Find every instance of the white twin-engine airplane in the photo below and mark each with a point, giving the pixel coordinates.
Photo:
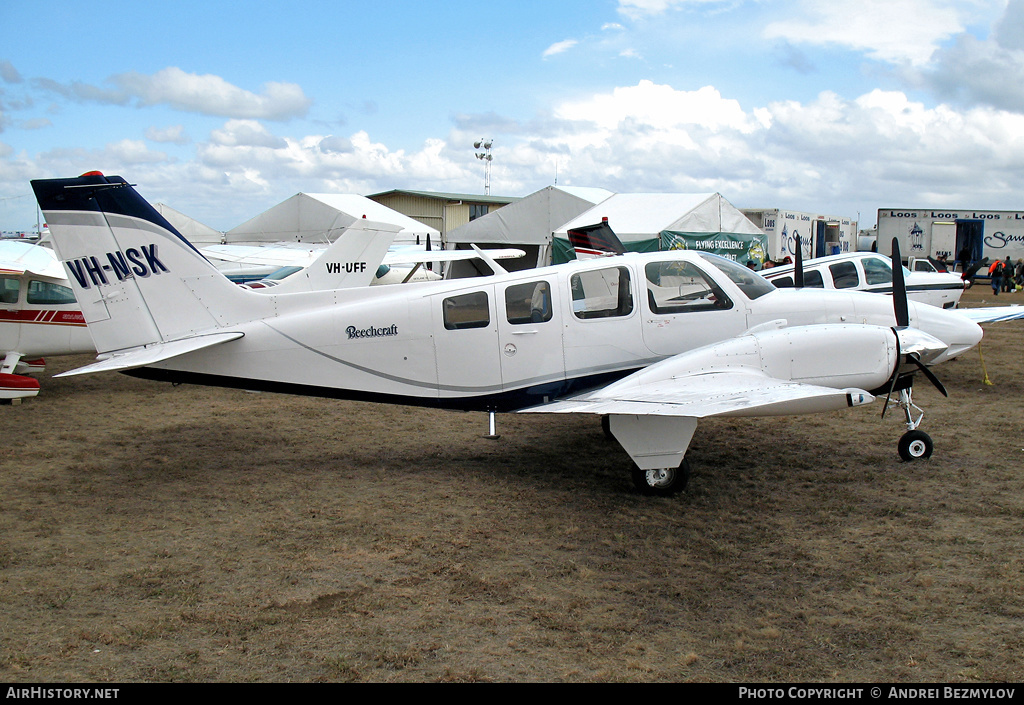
(652, 342)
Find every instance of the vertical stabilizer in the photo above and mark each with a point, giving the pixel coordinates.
(136, 278)
(350, 261)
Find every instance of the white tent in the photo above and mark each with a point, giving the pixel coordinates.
(191, 229)
(639, 219)
(320, 218)
(529, 222)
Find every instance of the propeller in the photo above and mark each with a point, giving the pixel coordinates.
(906, 337)
(899, 287)
(798, 266)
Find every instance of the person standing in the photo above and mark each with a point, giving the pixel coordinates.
(964, 258)
(995, 273)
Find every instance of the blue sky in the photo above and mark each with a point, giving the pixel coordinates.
(224, 109)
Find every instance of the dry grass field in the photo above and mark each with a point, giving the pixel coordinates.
(159, 533)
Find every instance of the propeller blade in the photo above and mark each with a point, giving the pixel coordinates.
(895, 375)
(798, 267)
(899, 287)
(929, 374)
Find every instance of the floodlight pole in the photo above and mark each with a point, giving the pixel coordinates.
(486, 157)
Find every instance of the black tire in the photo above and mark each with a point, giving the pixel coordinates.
(915, 445)
(666, 482)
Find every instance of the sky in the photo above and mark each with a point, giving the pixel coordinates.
(224, 109)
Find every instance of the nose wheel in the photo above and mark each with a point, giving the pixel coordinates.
(915, 444)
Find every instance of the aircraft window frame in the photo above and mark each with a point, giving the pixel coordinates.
(670, 292)
(8, 294)
(876, 271)
(466, 311)
(813, 279)
(595, 305)
(751, 284)
(42, 293)
(841, 273)
(528, 303)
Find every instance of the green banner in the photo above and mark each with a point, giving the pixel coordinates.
(741, 247)
(562, 251)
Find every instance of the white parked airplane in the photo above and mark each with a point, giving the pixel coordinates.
(868, 271)
(38, 316)
(653, 341)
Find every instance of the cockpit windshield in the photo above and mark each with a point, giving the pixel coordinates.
(752, 284)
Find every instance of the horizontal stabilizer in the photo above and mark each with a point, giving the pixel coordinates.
(151, 354)
(414, 256)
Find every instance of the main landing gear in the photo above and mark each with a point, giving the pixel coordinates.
(663, 482)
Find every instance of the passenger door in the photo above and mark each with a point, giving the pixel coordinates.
(529, 335)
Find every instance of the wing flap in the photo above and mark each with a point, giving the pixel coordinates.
(152, 354)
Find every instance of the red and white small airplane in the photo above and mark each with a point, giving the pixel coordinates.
(39, 316)
(651, 342)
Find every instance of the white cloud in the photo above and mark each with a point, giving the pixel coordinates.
(636, 9)
(203, 94)
(212, 95)
(894, 31)
(171, 135)
(560, 47)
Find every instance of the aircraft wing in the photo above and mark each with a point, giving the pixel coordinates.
(993, 314)
(653, 412)
(151, 354)
(20, 257)
(723, 393)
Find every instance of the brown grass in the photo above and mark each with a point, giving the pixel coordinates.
(158, 533)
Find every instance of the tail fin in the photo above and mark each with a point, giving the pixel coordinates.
(595, 241)
(350, 261)
(136, 278)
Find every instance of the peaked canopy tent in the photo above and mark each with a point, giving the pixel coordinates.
(318, 218)
(527, 224)
(648, 222)
(195, 232)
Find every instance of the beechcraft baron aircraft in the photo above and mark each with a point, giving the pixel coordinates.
(653, 342)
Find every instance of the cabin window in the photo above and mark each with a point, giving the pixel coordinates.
(812, 280)
(679, 287)
(49, 294)
(601, 293)
(9, 290)
(752, 284)
(466, 311)
(528, 303)
(844, 275)
(877, 271)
